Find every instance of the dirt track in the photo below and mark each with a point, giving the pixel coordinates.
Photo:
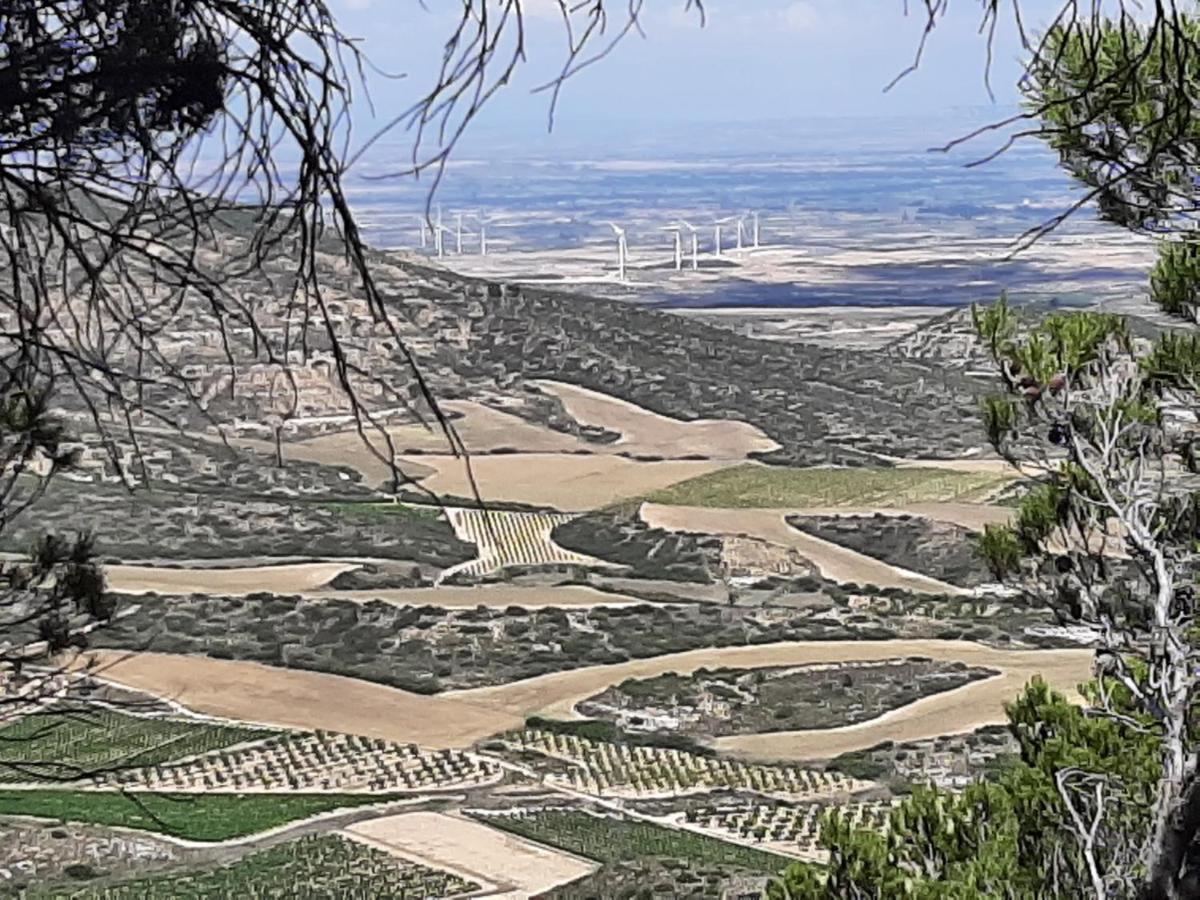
(310, 580)
(258, 693)
(835, 562)
(646, 432)
(289, 578)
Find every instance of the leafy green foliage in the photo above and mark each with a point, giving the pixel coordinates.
(1002, 837)
(1115, 100)
(996, 325)
(1175, 278)
(999, 547)
(1000, 417)
(1040, 511)
(1174, 361)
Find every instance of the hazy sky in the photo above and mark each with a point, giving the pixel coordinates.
(753, 60)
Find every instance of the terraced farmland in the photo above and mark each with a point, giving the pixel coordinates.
(785, 827)
(610, 839)
(61, 745)
(313, 866)
(510, 539)
(606, 769)
(318, 761)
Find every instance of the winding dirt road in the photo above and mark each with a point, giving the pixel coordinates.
(834, 561)
(268, 695)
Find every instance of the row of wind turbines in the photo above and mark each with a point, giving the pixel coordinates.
(677, 230)
(437, 232)
(748, 229)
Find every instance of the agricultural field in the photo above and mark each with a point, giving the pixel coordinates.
(317, 761)
(506, 865)
(612, 839)
(196, 816)
(786, 828)
(65, 745)
(713, 703)
(642, 432)
(316, 866)
(605, 769)
(509, 539)
(752, 486)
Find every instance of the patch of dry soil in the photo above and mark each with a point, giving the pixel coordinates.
(288, 578)
(293, 698)
(646, 432)
(562, 481)
(513, 867)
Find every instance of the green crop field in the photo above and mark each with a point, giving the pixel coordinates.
(314, 866)
(608, 839)
(754, 486)
(196, 817)
(54, 746)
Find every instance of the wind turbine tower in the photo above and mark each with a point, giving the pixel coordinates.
(437, 233)
(741, 228)
(421, 225)
(717, 239)
(676, 230)
(622, 249)
(458, 236)
(695, 244)
(756, 230)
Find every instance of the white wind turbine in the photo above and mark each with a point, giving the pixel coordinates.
(622, 249)
(458, 235)
(421, 225)
(741, 231)
(695, 243)
(677, 230)
(483, 224)
(437, 232)
(755, 236)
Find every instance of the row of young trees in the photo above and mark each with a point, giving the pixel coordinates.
(1104, 799)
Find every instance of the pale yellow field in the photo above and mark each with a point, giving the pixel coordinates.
(645, 432)
(834, 562)
(294, 698)
(480, 428)
(562, 481)
(290, 578)
(513, 868)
